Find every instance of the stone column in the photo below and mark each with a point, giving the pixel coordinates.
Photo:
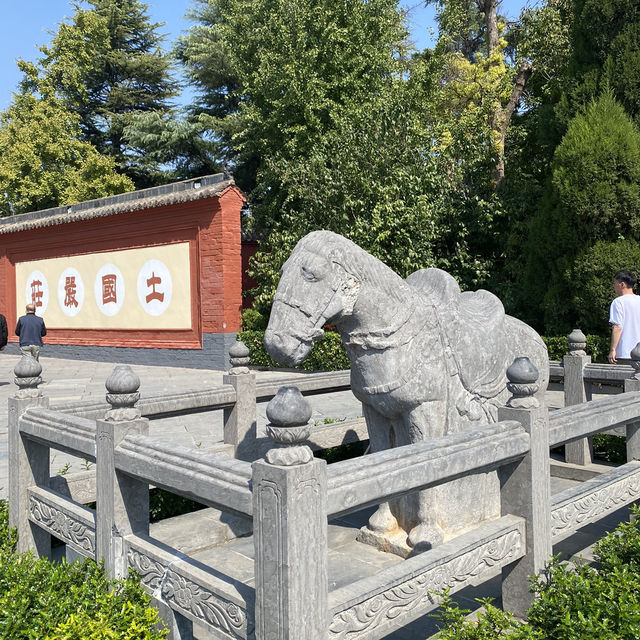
(630, 385)
(577, 391)
(525, 486)
(290, 528)
(240, 420)
(28, 460)
(122, 503)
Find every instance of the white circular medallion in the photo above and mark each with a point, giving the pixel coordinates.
(70, 292)
(108, 288)
(36, 291)
(154, 287)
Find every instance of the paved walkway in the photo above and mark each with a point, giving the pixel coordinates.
(75, 380)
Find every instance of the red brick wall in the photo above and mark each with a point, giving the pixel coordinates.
(210, 225)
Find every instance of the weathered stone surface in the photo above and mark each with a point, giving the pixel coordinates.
(426, 361)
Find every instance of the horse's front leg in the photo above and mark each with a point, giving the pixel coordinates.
(380, 438)
(426, 422)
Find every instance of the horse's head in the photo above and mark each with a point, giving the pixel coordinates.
(314, 289)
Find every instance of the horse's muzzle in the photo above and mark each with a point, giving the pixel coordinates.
(286, 349)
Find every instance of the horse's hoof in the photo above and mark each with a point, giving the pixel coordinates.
(383, 520)
(425, 537)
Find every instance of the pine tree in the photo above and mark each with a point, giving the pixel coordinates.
(593, 197)
(106, 65)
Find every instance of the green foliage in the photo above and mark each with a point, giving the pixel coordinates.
(164, 504)
(67, 601)
(491, 623)
(45, 163)
(106, 66)
(253, 320)
(327, 354)
(610, 448)
(597, 347)
(575, 601)
(594, 196)
(592, 273)
(343, 451)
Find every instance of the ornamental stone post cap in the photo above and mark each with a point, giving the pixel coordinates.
(27, 377)
(289, 413)
(522, 376)
(122, 394)
(577, 342)
(635, 360)
(239, 358)
(288, 408)
(522, 371)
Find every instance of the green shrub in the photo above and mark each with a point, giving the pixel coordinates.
(327, 354)
(597, 347)
(164, 504)
(253, 320)
(591, 275)
(593, 197)
(40, 600)
(574, 602)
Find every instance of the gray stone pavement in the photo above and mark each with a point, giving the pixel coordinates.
(75, 380)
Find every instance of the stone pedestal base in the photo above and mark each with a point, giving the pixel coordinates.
(390, 542)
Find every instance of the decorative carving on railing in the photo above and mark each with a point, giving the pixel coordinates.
(569, 517)
(204, 604)
(62, 525)
(522, 376)
(176, 589)
(411, 594)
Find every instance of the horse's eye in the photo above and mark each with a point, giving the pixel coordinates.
(308, 275)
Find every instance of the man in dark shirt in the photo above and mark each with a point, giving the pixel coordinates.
(4, 333)
(30, 329)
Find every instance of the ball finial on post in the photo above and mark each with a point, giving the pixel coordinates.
(27, 377)
(577, 343)
(288, 413)
(239, 358)
(522, 376)
(635, 361)
(122, 394)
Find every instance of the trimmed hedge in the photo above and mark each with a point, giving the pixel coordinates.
(575, 601)
(327, 354)
(597, 347)
(64, 601)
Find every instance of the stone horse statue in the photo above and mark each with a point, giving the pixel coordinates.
(426, 361)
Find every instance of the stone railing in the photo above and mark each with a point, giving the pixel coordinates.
(289, 496)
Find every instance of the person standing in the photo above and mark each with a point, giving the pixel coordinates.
(30, 329)
(4, 333)
(624, 317)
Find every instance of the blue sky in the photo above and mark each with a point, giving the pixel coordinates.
(27, 24)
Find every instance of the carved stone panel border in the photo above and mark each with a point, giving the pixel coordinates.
(196, 600)
(70, 525)
(599, 497)
(416, 595)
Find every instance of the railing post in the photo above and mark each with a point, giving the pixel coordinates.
(122, 503)
(577, 391)
(240, 420)
(633, 429)
(28, 460)
(290, 528)
(525, 486)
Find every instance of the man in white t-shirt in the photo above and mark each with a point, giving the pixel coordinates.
(624, 316)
